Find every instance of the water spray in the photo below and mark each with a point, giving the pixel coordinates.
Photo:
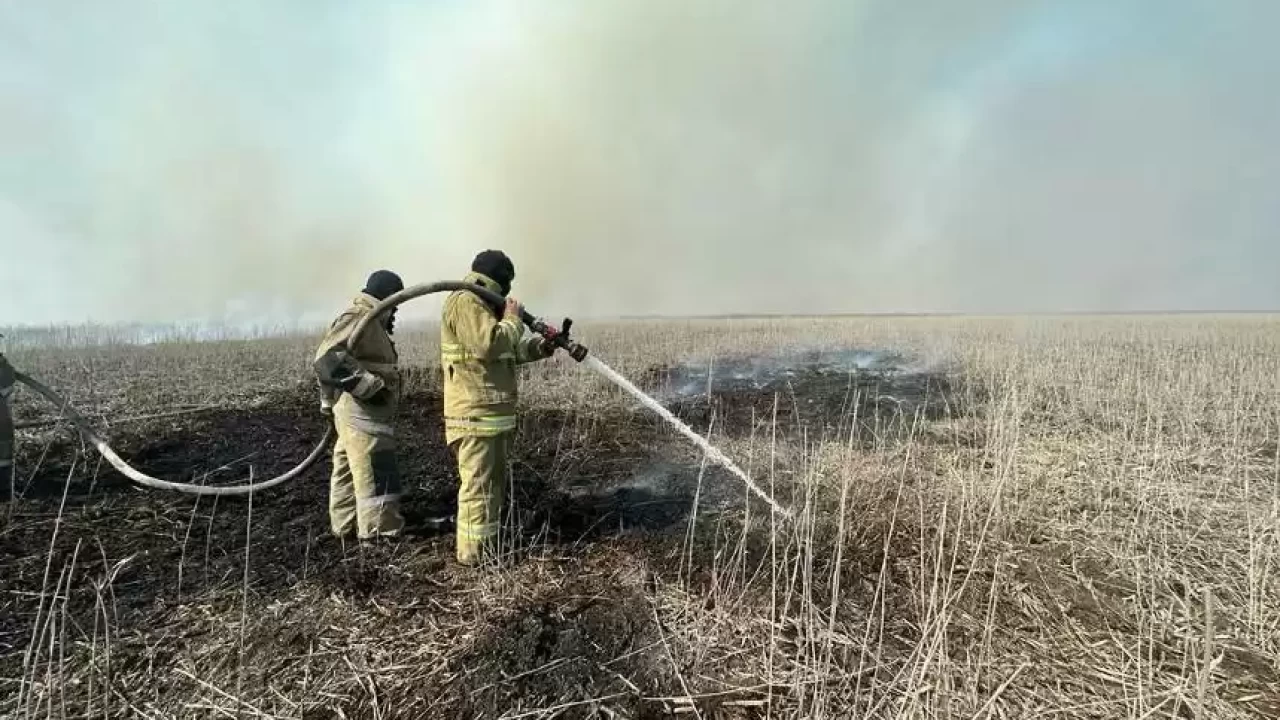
(559, 337)
(713, 453)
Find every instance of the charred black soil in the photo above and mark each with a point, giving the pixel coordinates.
(815, 393)
(152, 569)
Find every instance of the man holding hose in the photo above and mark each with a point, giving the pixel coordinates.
(481, 346)
(360, 388)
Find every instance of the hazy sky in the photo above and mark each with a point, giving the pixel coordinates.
(244, 160)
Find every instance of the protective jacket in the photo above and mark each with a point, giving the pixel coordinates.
(363, 381)
(364, 487)
(479, 354)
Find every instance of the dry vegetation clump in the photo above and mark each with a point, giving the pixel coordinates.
(1041, 518)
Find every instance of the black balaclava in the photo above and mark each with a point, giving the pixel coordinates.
(495, 265)
(382, 285)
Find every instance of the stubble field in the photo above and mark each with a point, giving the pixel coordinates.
(995, 518)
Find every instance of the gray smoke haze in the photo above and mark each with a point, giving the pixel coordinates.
(254, 161)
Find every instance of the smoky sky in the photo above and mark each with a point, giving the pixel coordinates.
(254, 161)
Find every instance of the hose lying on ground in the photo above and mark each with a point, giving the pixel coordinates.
(86, 427)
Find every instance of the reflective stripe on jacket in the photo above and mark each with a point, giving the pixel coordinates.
(479, 353)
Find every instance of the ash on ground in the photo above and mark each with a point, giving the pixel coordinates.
(810, 389)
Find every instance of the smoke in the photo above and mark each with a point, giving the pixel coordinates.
(245, 162)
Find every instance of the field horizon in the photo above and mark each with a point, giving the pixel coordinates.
(94, 333)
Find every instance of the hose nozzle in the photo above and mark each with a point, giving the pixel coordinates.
(557, 336)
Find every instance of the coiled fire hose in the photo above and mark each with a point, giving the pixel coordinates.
(560, 338)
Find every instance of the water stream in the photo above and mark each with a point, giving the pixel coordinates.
(713, 453)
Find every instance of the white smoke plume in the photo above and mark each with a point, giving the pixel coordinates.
(230, 161)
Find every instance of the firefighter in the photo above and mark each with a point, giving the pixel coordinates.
(481, 346)
(360, 389)
(7, 380)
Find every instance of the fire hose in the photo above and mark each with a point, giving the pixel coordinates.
(559, 337)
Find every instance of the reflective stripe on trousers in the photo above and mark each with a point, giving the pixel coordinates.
(377, 500)
(486, 426)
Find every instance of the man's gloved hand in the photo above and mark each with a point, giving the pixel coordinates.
(549, 334)
(368, 386)
(326, 405)
(513, 308)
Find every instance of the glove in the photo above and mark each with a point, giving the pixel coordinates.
(335, 368)
(368, 386)
(326, 402)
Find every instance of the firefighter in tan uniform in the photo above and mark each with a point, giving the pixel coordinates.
(7, 380)
(360, 388)
(480, 349)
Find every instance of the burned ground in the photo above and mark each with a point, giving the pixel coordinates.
(972, 550)
(817, 393)
(157, 557)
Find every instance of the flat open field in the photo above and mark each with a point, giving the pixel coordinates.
(996, 518)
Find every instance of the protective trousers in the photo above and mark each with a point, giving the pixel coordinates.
(483, 470)
(364, 489)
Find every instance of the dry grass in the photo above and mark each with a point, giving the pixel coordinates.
(1090, 531)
